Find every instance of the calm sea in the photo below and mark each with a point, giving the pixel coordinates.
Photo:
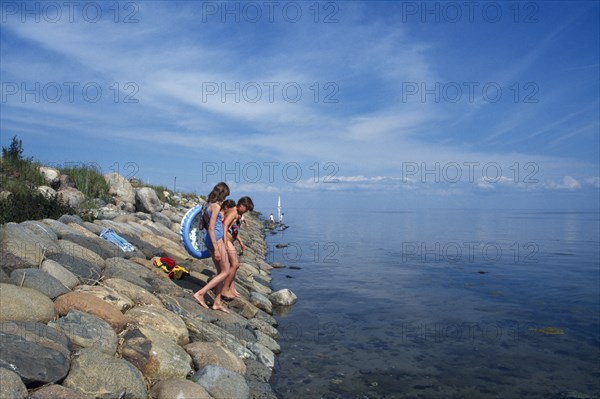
(439, 304)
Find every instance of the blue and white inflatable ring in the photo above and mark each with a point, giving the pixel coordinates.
(192, 237)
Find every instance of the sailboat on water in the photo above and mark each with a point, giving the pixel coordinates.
(280, 214)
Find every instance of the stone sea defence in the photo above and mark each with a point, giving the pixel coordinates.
(81, 318)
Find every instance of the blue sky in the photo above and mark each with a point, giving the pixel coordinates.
(402, 104)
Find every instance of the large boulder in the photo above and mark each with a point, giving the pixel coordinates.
(75, 250)
(38, 353)
(128, 271)
(154, 354)
(12, 387)
(221, 383)
(261, 301)
(120, 188)
(87, 331)
(39, 280)
(207, 353)
(136, 293)
(179, 389)
(24, 244)
(72, 197)
(60, 273)
(57, 392)
(160, 319)
(88, 303)
(51, 175)
(47, 191)
(96, 374)
(147, 201)
(27, 304)
(284, 297)
(108, 295)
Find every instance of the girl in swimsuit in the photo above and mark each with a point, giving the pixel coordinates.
(214, 241)
(232, 224)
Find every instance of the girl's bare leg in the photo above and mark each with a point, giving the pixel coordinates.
(228, 289)
(223, 272)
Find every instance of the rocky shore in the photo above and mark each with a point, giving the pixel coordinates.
(81, 318)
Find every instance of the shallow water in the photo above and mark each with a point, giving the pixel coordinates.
(439, 304)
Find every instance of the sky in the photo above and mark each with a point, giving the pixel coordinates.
(402, 104)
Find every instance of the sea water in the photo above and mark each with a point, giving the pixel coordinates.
(439, 304)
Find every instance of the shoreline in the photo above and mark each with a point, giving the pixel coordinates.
(118, 326)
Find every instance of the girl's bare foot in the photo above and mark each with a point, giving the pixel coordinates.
(200, 300)
(228, 295)
(221, 308)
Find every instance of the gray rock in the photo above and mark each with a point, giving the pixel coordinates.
(46, 191)
(267, 341)
(39, 280)
(11, 387)
(21, 303)
(120, 188)
(178, 389)
(207, 332)
(187, 308)
(161, 320)
(41, 230)
(239, 331)
(73, 249)
(51, 175)
(137, 294)
(96, 245)
(263, 354)
(66, 219)
(72, 197)
(94, 228)
(57, 392)
(221, 383)
(87, 331)
(24, 244)
(263, 326)
(59, 228)
(257, 371)
(154, 354)
(83, 269)
(264, 316)
(158, 217)
(261, 301)
(147, 201)
(38, 353)
(129, 271)
(95, 373)
(284, 297)
(60, 273)
(206, 353)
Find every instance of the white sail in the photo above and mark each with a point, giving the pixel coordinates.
(279, 208)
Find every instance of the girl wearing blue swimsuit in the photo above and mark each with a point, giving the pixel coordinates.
(216, 245)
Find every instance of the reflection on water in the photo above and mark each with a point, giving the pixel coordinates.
(439, 304)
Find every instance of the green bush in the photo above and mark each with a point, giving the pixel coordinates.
(32, 206)
(17, 174)
(89, 180)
